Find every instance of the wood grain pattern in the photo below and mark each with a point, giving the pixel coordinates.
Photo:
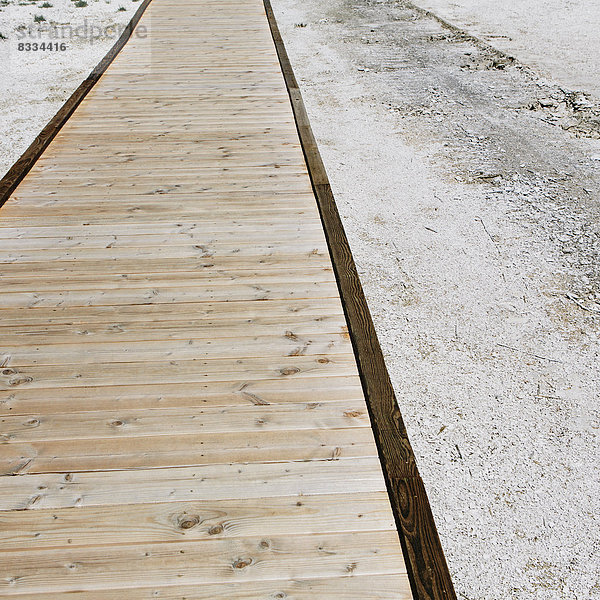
(196, 520)
(351, 587)
(135, 424)
(202, 482)
(23, 401)
(251, 559)
(427, 567)
(180, 449)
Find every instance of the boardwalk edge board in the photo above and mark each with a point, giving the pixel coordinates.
(427, 568)
(19, 170)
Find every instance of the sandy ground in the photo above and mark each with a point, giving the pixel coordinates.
(35, 84)
(469, 190)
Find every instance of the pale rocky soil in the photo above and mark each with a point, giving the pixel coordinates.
(560, 38)
(34, 85)
(469, 190)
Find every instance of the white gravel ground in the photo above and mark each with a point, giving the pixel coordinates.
(469, 190)
(35, 84)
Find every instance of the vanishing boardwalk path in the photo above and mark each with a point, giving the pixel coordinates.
(181, 414)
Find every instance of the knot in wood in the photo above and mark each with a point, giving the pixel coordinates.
(352, 414)
(242, 563)
(188, 521)
(216, 530)
(20, 380)
(289, 370)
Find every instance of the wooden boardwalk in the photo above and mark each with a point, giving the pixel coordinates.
(181, 414)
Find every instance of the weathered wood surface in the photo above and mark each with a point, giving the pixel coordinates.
(181, 413)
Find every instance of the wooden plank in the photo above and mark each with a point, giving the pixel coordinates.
(291, 162)
(77, 139)
(101, 237)
(240, 344)
(174, 228)
(192, 239)
(170, 294)
(184, 371)
(123, 178)
(176, 449)
(278, 390)
(351, 587)
(284, 262)
(215, 314)
(170, 421)
(208, 482)
(107, 220)
(116, 252)
(198, 520)
(57, 281)
(189, 187)
(27, 345)
(250, 559)
(131, 156)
